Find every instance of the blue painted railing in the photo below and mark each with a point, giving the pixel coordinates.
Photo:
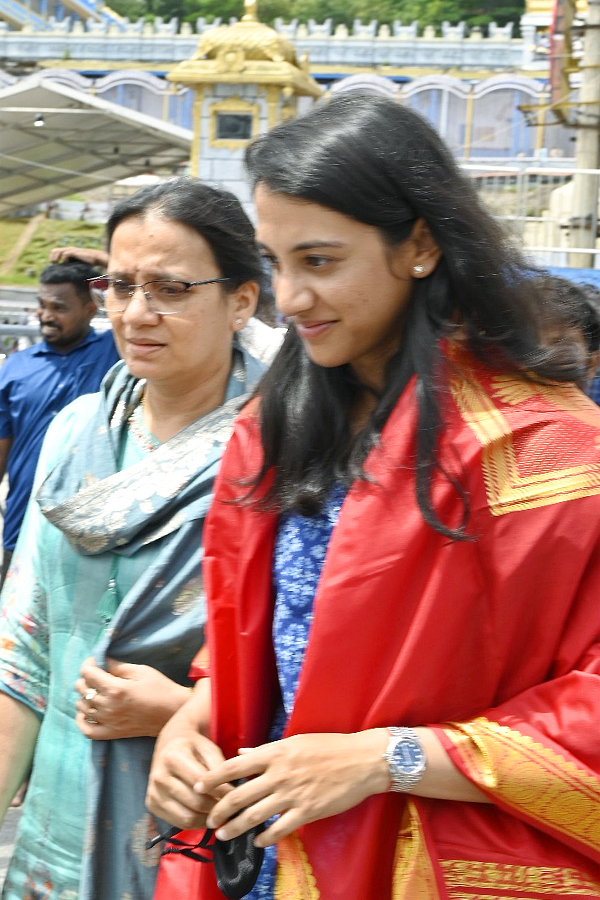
(86, 9)
(21, 15)
(18, 14)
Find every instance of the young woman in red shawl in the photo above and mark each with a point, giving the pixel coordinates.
(402, 560)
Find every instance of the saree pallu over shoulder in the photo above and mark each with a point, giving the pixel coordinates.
(502, 628)
(148, 500)
(528, 458)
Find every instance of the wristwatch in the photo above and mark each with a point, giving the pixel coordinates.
(406, 759)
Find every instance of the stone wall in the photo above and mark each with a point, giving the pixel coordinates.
(365, 45)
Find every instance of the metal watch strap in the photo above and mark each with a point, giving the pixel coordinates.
(403, 781)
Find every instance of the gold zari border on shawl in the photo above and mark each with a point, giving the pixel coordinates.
(516, 893)
(414, 876)
(473, 878)
(531, 777)
(295, 879)
(507, 490)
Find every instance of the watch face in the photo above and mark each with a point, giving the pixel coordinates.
(408, 756)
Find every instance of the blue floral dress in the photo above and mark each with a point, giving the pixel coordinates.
(300, 549)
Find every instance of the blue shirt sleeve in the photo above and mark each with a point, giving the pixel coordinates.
(594, 389)
(6, 429)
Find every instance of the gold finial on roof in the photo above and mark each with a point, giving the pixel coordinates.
(251, 11)
(246, 52)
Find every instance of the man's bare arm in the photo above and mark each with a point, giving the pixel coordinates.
(5, 445)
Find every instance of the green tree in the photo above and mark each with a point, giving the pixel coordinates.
(473, 12)
(434, 12)
(129, 9)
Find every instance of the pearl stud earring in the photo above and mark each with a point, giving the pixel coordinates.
(418, 270)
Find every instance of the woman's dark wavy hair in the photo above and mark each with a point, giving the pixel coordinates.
(215, 214)
(378, 162)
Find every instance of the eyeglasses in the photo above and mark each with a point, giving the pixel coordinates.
(167, 298)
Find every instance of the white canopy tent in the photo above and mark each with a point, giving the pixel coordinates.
(78, 143)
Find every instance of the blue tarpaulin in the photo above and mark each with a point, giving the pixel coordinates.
(581, 276)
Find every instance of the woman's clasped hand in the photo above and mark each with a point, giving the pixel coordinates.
(179, 771)
(298, 779)
(128, 700)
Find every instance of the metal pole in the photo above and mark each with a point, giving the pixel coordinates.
(584, 222)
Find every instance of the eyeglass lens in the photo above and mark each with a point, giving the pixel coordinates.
(161, 296)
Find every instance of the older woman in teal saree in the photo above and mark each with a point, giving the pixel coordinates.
(103, 608)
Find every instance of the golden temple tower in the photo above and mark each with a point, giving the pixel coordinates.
(246, 79)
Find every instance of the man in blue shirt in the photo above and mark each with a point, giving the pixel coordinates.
(594, 389)
(37, 382)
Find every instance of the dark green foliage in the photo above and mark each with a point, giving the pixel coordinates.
(473, 12)
(130, 9)
(434, 12)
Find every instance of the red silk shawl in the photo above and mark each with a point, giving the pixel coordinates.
(492, 641)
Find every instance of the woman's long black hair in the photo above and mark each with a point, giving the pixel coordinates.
(378, 162)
